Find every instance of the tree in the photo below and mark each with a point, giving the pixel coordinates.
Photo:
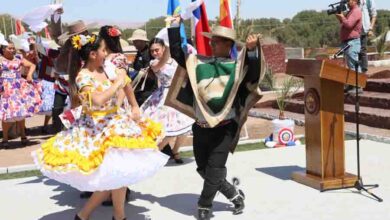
(6, 22)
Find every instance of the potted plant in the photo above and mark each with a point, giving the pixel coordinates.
(288, 88)
(381, 44)
(283, 128)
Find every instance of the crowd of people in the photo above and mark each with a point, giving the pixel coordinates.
(111, 120)
(130, 112)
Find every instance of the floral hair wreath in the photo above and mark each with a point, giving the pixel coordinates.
(114, 32)
(81, 40)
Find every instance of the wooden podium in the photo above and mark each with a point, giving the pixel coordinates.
(324, 122)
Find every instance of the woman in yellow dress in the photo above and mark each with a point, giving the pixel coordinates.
(105, 149)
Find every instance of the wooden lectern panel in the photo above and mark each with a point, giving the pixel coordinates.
(304, 67)
(332, 128)
(342, 75)
(324, 70)
(313, 134)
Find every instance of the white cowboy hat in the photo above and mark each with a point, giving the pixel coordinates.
(138, 35)
(224, 32)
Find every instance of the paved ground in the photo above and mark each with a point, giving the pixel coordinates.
(19, 155)
(173, 192)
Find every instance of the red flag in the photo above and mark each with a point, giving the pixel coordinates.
(201, 24)
(19, 27)
(226, 20)
(225, 14)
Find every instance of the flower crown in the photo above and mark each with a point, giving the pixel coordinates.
(114, 32)
(81, 40)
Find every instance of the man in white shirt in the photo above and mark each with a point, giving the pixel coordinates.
(369, 14)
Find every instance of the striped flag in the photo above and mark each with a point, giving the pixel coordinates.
(201, 24)
(225, 14)
(175, 9)
(226, 20)
(19, 27)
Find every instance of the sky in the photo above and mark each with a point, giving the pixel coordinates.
(143, 10)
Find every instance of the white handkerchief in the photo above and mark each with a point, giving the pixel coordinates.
(110, 68)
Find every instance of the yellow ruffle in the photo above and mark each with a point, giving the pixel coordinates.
(54, 159)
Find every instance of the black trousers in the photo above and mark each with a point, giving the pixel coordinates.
(211, 150)
(363, 52)
(58, 108)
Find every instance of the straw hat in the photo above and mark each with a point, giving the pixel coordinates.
(74, 28)
(220, 31)
(138, 35)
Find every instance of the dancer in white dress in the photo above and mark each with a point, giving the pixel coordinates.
(175, 123)
(105, 150)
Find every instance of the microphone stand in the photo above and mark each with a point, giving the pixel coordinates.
(359, 182)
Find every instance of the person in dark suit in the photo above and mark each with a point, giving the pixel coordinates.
(141, 61)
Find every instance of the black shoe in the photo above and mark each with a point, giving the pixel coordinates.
(177, 158)
(168, 151)
(85, 195)
(238, 202)
(77, 217)
(24, 141)
(203, 213)
(4, 145)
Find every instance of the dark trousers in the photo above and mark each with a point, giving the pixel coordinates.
(211, 150)
(58, 108)
(363, 52)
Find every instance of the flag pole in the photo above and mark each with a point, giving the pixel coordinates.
(12, 25)
(192, 28)
(238, 13)
(5, 30)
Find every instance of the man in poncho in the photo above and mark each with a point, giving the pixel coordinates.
(217, 92)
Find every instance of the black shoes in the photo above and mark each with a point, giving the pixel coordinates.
(203, 213)
(238, 202)
(113, 218)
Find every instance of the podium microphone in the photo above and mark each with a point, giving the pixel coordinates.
(342, 50)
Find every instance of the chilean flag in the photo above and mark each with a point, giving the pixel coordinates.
(227, 21)
(201, 24)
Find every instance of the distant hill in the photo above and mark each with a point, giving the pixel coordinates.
(120, 24)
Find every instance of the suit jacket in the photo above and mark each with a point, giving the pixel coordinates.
(245, 91)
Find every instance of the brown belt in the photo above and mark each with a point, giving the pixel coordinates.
(206, 125)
